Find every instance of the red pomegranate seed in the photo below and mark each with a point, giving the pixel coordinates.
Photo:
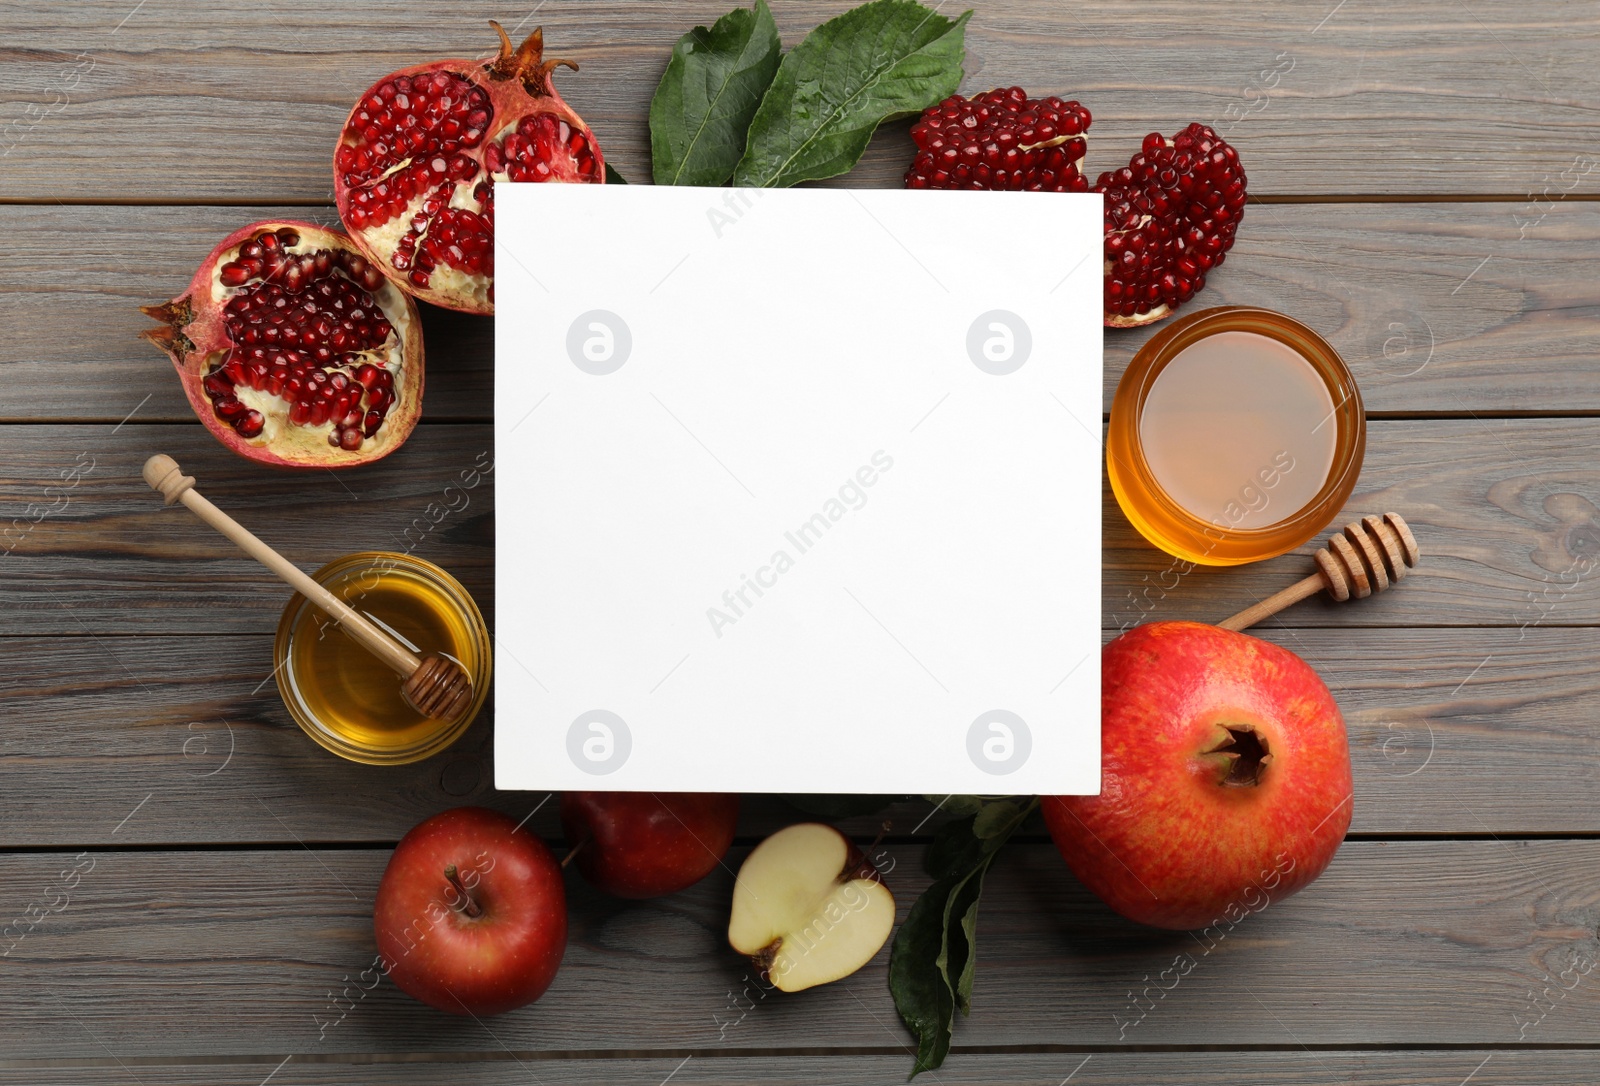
(250, 424)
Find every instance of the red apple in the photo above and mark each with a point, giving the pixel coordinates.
(645, 844)
(1225, 778)
(471, 915)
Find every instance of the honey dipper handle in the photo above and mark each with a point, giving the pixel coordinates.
(1274, 603)
(164, 475)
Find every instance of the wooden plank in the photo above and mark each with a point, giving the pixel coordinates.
(86, 552)
(1478, 733)
(1401, 290)
(1495, 1067)
(1506, 513)
(1408, 97)
(1400, 943)
(74, 277)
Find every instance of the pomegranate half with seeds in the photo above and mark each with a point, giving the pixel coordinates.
(294, 350)
(419, 154)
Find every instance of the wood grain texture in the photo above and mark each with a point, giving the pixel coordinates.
(70, 290)
(200, 953)
(1495, 1067)
(80, 553)
(140, 719)
(1387, 284)
(1507, 513)
(1409, 97)
(1480, 733)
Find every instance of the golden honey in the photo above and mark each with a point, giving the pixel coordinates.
(348, 700)
(1236, 434)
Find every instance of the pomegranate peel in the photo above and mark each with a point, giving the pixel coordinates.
(419, 154)
(293, 350)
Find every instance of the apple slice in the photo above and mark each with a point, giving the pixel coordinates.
(808, 908)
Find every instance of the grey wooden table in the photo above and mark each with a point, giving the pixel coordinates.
(1425, 179)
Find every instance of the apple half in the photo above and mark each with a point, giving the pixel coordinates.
(809, 908)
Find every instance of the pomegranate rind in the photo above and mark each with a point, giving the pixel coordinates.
(519, 83)
(193, 336)
(1139, 320)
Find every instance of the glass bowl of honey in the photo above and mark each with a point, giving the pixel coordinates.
(347, 699)
(1236, 434)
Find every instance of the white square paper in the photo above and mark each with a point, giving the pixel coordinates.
(797, 490)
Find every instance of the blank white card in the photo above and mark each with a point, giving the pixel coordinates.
(797, 490)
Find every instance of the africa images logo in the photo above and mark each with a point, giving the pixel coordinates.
(599, 342)
(599, 742)
(851, 496)
(999, 342)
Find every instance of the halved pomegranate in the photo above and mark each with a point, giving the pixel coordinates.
(419, 154)
(294, 350)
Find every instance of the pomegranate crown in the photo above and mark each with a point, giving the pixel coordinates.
(525, 61)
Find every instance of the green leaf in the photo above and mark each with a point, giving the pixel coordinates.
(935, 955)
(954, 958)
(967, 929)
(702, 108)
(921, 993)
(882, 60)
(959, 806)
(954, 850)
(613, 177)
(995, 819)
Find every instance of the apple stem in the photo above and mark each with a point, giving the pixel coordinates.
(573, 851)
(463, 904)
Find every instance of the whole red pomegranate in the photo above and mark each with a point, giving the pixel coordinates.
(1170, 214)
(1224, 782)
(414, 171)
(294, 350)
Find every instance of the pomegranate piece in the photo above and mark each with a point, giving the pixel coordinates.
(1000, 140)
(294, 349)
(1171, 216)
(1171, 213)
(418, 155)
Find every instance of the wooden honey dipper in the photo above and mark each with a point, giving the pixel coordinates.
(1370, 554)
(434, 686)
